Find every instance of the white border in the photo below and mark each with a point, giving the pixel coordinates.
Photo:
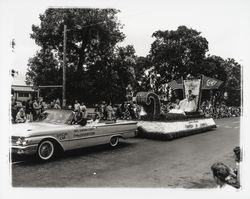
(6, 191)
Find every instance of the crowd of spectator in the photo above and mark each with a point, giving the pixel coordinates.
(126, 110)
(56, 104)
(218, 110)
(28, 110)
(32, 109)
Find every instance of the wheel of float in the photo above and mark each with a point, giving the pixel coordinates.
(46, 150)
(114, 141)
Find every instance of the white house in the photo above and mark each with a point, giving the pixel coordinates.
(20, 90)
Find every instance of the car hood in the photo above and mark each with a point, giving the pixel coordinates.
(28, 129)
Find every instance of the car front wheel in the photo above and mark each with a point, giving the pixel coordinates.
(114, 141)
(46, 150)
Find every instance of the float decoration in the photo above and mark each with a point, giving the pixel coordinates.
(184, 121)
(151, 104)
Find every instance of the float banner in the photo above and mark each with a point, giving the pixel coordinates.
(194, 86)
(210, 83)
(176, 84)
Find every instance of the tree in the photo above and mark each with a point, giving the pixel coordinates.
(214, 66)
(178, 53)
(233, 82)
(228, 71)
(91, 41)
(44, 69)
(142, 81)
(125, 64)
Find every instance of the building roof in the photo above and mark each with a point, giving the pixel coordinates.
(22, 88)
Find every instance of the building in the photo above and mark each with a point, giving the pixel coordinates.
(20, 90)
(23, 92)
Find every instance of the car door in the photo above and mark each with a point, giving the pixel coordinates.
(82, 136)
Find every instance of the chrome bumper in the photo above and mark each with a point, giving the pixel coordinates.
(24, 150)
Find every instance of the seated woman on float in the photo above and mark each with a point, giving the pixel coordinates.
(185, 105)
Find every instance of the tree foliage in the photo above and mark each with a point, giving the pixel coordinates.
(233, 81)
(178, 53)
(92, 57)
(97, 69)
(142, 81)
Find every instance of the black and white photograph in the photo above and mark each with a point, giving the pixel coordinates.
(124, 96)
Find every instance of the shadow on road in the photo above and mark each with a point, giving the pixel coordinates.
(72, 154)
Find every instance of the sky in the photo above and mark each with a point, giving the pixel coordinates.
(225, 24)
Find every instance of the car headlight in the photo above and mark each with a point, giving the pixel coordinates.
(25, 142)
(22, 141)
(19, 141)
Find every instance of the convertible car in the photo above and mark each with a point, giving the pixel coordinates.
(54, 133)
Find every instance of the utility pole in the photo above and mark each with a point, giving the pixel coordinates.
(64, 66)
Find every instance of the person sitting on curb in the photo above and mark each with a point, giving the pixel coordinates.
(20, 117)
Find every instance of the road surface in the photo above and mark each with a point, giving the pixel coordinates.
(137, 162)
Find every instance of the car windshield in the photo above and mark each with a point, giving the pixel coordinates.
(56, 116)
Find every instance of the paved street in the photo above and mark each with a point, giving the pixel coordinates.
(137, 162)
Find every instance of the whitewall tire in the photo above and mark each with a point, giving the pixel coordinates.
(114, 141)
(46, 150)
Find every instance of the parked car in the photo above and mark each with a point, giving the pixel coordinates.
(54, 133)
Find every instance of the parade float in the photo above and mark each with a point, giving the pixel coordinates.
(184, 119)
